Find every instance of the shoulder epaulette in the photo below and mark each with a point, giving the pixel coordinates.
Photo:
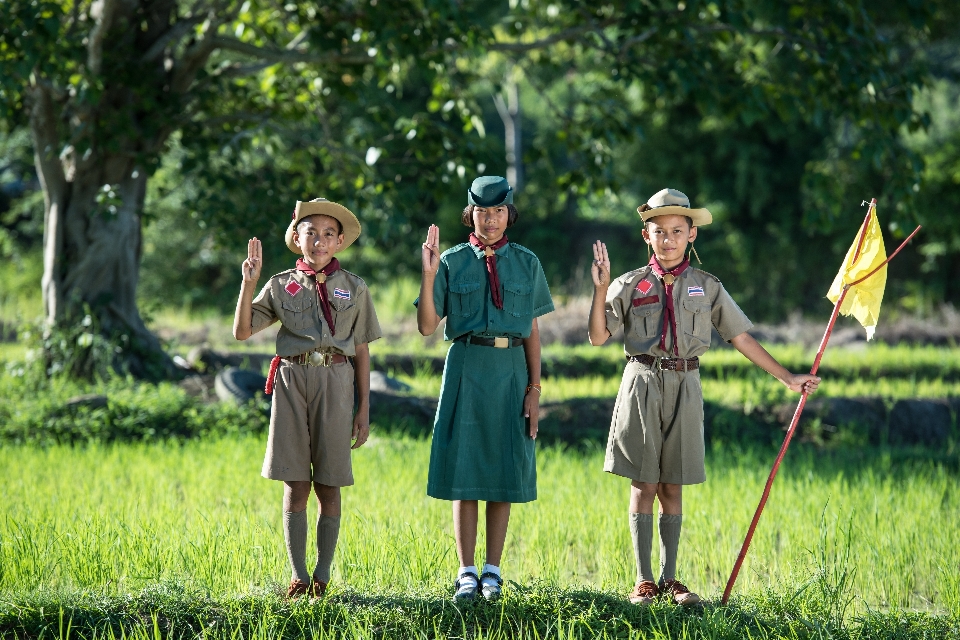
(706, 273)
(520, 247)
(630, 275)
(354, 276)
(455, 248)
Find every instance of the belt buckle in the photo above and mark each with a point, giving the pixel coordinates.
(659, 363)
(501, 343)
(317, 359)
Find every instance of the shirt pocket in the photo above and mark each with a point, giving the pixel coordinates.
(517, 300)
(646, 320)
(696, 320)
(298, 312)
(344, 314)
(464, 298)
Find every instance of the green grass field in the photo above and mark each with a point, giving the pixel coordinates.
(134, 518)
(179, 537)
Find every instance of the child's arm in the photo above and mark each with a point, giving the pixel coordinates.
(361, 372)
(600, 270)
(243, 318)
(755, 353)
(427, 318)
(531, 400)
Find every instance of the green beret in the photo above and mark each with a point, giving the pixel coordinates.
(490, 191)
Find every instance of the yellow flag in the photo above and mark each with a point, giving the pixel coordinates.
(863, 300)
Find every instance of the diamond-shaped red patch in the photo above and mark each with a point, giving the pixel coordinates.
(644, 286)
(293, 288)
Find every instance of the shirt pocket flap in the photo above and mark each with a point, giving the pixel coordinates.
(342, 305)
(647, 309)
(464, 287)
(696, 306)
(518, 288)
(298, 304)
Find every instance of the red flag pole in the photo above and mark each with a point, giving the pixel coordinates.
(803, 400)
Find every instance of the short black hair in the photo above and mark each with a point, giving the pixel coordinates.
(687, 218)
(467, 216)
(339, 224)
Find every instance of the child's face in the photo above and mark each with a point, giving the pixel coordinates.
(319, 238)
(489, 223)
(669, 236)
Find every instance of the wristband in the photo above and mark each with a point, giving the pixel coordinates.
(533, 386)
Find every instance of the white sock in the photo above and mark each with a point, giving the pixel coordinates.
(490, 568)
(471, 569)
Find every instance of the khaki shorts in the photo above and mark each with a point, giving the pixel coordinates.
(656, 434)
(311, 423)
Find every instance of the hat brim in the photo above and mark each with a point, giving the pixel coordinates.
(349, 222)
(700, 217)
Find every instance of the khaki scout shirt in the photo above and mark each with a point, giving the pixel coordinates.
(301, 315)
(461, 292)
(699, 302)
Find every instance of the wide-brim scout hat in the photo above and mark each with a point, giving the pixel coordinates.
(323, 207)
(670, 202)
(490, 191)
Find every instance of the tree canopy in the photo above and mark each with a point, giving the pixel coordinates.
(780, 116)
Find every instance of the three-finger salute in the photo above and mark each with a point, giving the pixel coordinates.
(254, 262)
(431, 250)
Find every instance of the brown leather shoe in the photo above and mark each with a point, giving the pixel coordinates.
(675, 590)
(318, 588)
(297, 588)
(644, 593)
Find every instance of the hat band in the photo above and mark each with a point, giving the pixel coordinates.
(660, 206)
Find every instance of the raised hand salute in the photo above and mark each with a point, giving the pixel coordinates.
(600, 269)
(254, 262)
(427, 317)
(430, 256)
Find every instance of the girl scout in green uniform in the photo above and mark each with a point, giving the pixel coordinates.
(491, 291)
(666, 309)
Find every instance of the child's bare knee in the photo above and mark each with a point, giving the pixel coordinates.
(295, 495)
(327, 494)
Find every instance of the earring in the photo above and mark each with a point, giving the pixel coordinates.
(695, 254)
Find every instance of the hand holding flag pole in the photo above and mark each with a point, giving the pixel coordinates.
(865, 306)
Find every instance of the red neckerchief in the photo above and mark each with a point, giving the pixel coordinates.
(669, 317)
(332, 267)
(491, 266)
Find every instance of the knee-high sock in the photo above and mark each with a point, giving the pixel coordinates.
(641, 529)
(669, 542)
(328, 529)
(295, 534)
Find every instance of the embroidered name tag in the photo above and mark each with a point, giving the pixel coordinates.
(293, 288)
(644, 286)
(343, 294)
(694, 291)
(647, 300)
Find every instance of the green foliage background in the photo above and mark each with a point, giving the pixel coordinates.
(780, 117)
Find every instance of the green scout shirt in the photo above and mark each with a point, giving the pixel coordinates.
(461, 292)
(301, 315)
(699, 302)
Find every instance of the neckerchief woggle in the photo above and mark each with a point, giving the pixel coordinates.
(491, 258)
(669, 315)
(320, 280)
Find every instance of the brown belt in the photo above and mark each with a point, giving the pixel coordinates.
(666, 364)
(316, 359)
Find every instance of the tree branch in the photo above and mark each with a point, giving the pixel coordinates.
(562, 36)
(174, 33)
(288, 56)
(102, 11)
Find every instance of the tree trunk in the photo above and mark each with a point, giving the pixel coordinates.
(509, 111)
(92, 238)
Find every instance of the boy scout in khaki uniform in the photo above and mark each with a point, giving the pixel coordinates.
(666, 309)
(327, 318)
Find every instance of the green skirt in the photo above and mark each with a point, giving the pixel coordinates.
(482, 449)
